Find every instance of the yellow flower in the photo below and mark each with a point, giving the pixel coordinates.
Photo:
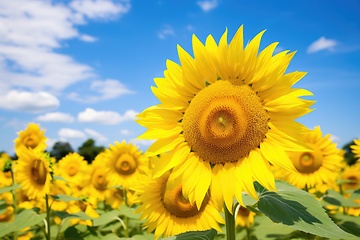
(73, 168)
(32, 137)
(244, 217)
(225, 114)
(5, 177)
(322, 165)
(98, 182)
(82, 206)
(352, 175)
(33, 172)
(356, 149)
(123, 163)
(169, 213)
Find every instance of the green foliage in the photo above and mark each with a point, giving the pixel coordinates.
(335, 198)
(60, 150)
(195, 235)
(349, 155)
(298, 209)
(9, 188)
(25, 218)
(89, 151)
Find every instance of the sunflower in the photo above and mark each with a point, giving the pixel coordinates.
(356, 148)
(98, 182)
(351, 174)
(73, 168)
(227, 113)
(33, 172)
(32, 137)
(168, 212)
(244, 217)
(320, 166)
(123, 163)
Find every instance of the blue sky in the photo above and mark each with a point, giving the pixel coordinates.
(83, 68)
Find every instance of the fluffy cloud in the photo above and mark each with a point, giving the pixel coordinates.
(55, 117)
(322, 44)
(32, 31)
(105, 117)
(208, 5)
(98, 137)
(125, 132)
(66, 133)
(100, 9)
(33, 102)
(166, 31)
(104, 90)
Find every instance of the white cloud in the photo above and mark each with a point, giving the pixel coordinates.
(105, 117)
(125, 132)
(87, 38)
(95, 135)
(55, 117)
(334, 138)
(32, 31)
(105, 90)
(100, 9)
(145, 143)
(28, 101)
(166, 31)
(65, 133)
(322, 44)
(208, 5)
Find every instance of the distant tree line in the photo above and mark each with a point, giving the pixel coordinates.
(60, 149)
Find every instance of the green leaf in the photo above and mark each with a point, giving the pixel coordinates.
(129, 212)
(194, 235)
(298, 209)
(9, 188)
(72, 233)
(334, 198)
(25, 218)
(64, 198)
(106, 218)
(60, 178)
(348, 223)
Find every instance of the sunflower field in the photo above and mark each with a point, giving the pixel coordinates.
(229, 161)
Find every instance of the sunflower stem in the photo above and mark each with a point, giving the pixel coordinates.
(48, 234)
(126, 219)
(13, 192)
(229, 224)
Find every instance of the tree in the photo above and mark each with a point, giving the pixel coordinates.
(349, 155)
(60, 150)
(89, 151)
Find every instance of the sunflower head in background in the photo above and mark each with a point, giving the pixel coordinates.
(168, 212)
(34, 173)
(225, 113)
(123, 162)
(318, 168)
(32, 137)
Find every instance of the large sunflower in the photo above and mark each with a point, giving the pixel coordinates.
(168, 212)
(320, 166)
(226, 113)
(32, 137)
(123, 163)
(33, 173)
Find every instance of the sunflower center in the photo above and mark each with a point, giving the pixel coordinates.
(31, 141)
(99, 179)
(72, 170)
(39, 172)
(125, 164)
(353, 180)
(179, 206)
(308, 162)
(244, 212)
(224, 122)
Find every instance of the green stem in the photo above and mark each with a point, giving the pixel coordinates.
(229, 224)
(14, 205)
(248, 233)
(126, 219)
(48, 235)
